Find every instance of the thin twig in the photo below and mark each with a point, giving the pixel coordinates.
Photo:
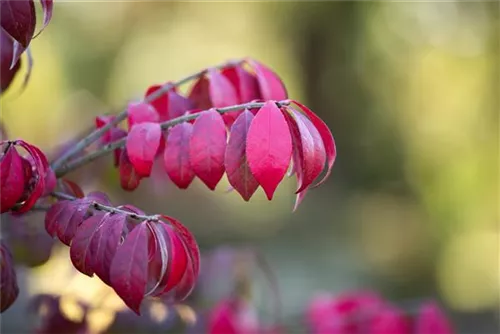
(111, 209)
(72, 165)
(97, 133)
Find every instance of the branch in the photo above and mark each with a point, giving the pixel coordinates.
(68, 167)
(106, 208)
(97, 133)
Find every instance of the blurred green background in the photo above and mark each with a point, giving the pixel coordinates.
(409, 90)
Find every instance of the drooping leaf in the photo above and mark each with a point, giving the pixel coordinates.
(139, 112)
(129, 178)
(269, 147)
(7, 73)
(143, 142)
(207, 147)
(129, 269)
(70, 218)
(176, 155)
(237, 169)
(326, 135)
(105, 243)
(81, 252)
(72, 188)
(170, 104)
(8, 279)
(270, 85)
(47, 8)
(12, 181)
(18, 20)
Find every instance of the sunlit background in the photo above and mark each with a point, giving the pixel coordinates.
(409, 90)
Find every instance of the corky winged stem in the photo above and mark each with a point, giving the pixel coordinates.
(72, 165)
(98, 133)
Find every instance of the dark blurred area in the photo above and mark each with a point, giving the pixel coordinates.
(409, 90)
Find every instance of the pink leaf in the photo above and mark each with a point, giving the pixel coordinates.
(129, 269)
(222, 94)
(246, 84)
(81, 252)
(238, 172)
(271, 86)
(432, 320)
(143, 142)
(141, 112)
(105, 242)
(178, 105)
(160, 103)
(326, 135)
(12, 181)
(207, 147)
(269, 147)
(8, 279)
(176, 155)
(390, 320)
(200, 94)
(129, 178)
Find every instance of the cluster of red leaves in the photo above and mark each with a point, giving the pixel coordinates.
(18, 22)
(156, 257)
(23, 180)
(254, 147)
(8, 280)
(368, 313)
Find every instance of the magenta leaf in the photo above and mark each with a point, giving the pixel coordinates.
(237, 169)
(12, 180)
(246, 84)
(105, 242)
(271, 86)
(269, 147)
(141, 112)
(200, 94)
(222, 94)
(432, 320)
(129, 269)
(81, 252)
(160, 103)
(170, 104)
(176, 155)
(326, 135)
(143, 142)
(389, 320)
(129, 178)
(68, 219)
(7, 73)
(18, 20)
(207, 147)
(8, 279)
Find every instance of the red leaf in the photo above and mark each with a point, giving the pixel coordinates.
(326, 135)
(176, 155)
(7, 73)
(246, 84)
(70, 218)
(8, 279)
(238, 172)
(72, 188)
(143, 142)
(200, 94)
(101, 121)
(311, 149)
(12, 180)
(47, 6)
(141, 112)
(207, 147)
(169, 105)
(271, 86)
(129, 269)
(432, 320)
(18, 19)
(390, 320)
(222, 94)
(81, 252)
(269, 147)
(51, 217)
(129, 179)
(105, 242)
